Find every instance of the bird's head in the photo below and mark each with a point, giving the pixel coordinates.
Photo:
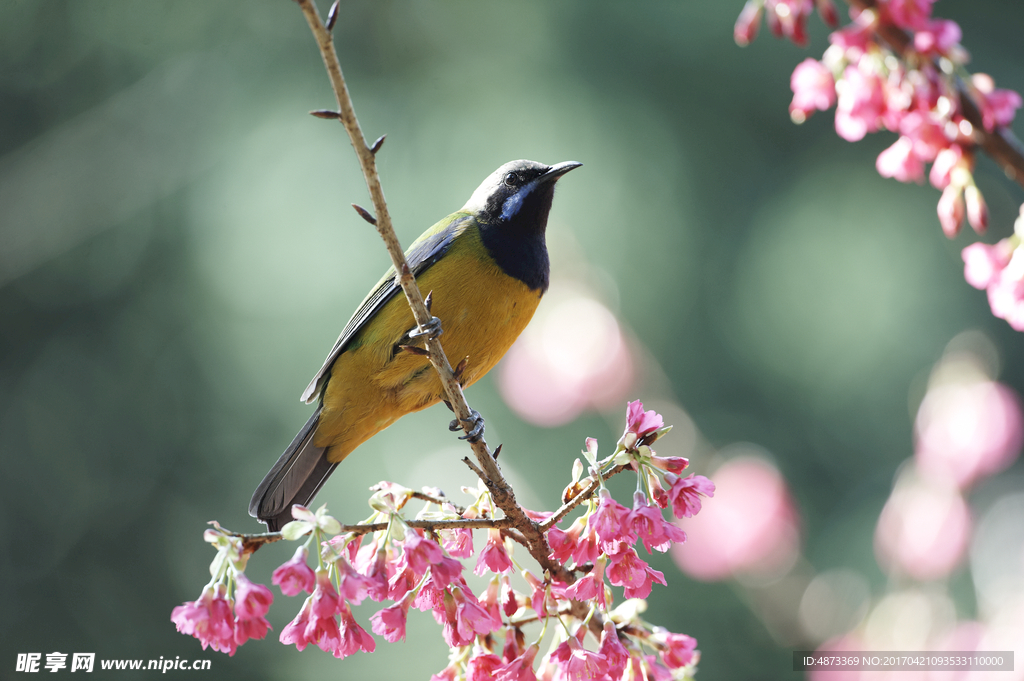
(518, 194)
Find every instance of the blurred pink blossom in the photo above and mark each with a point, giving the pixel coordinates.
(900, 162)
(968, 431)
(573, 357)
(923, 530)
(813, 88)
(983, 263)
(998, 107)
(951, 210)
(750, 527)
(910, 14)
(860, 105)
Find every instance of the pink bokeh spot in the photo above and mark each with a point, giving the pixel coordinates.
(573, 357)
(750, 527)
(968, 431)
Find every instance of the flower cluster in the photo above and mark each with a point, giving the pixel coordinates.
(231, 609)
(999, 269)
(914, 94)
(406, 563)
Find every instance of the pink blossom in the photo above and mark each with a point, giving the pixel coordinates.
(493, 557)
(255, 628)
(295, 575)
(827, 11)
(520, 668)
(678, 650)
(482, 665)
(325, 598)
(610, 522)
(629, 571)
(671, 464)
(354, 586)
(937, 37)
(209, 619)
(640, 422)
(977, 209)
(853, 39)
(926, 135)
(748, 23)
(420, 553)
(251, 600)
(563, 543)
(650, 526)
(860, 105)
(376, 571)
(401, 583)
(590, 587)
(998, 107)
(539, 598)
(789, 18)
(910, 14)
(984, 263)
(685, 493)
(813, 88)
(458, 543)
(353, 637)
(430, 596)
(900, 162)
(614, 652)
(945, 161)
(465, 618)
(951, 210)
(576, 663)
(1006, 294)
(449, 673)
(295, 631)
(446, 571)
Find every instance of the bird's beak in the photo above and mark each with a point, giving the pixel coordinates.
(558, 170)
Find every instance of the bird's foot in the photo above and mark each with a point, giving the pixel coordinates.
(431, 330)
(473, 434)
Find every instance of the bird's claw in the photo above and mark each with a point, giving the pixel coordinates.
(474, 433)
(431, 330)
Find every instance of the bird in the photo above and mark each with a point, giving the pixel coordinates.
(486, 268)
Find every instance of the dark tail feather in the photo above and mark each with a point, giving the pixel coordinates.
(295, 479)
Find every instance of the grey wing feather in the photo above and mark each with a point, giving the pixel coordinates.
(422, 254)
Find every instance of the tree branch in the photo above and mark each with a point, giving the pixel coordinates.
(1001, 144)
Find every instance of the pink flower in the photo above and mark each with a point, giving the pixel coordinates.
(748, 23)
(610, 522)
(640, 422)
(563, 543)
(977, 209)
(678, 650)
(590, 587)
(828, 13)
(614, 652)
(458, 543)
(493, 557)
(789, 18)
(465, 618)
(853, 39)
(813, 88)
(860, 105)
(255, 628)
(576, 663)
(295, 631)
(354, 586)
(650, 526)
(376, 571)
(910, 14)
(325, 598)
(900, 162)
(984, 263)
(951, 210)
(926, 135)
(295, 576)
(671, 464)
(945, 161)
(998, 107)
(421, 553)
(353, 637)
(629, 571)
(539, 598)
(1006, 294)
(520, 668)
(209, 619)
(445, 572)
(482, 665)
(937, 37)
(685, 493)
(251, 600)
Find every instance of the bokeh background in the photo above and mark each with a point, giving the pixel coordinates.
(177, 255)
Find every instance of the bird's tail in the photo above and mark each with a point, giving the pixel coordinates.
(295, 478)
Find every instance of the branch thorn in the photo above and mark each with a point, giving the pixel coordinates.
(365, 214)
(428, 301)
(375, 147)
(332, 15)
(326, 114)
(415, 350)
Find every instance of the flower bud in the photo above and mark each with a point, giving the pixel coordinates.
(977, 209)
(951, 210)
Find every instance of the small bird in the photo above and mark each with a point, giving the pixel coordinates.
(486, 268)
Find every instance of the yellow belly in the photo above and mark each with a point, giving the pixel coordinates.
(482, 312)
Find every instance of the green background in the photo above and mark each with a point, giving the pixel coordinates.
(178, 255)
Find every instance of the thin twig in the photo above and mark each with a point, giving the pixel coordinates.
(501, 492)
(582, 496)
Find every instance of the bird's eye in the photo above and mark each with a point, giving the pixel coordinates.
(510, 179)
